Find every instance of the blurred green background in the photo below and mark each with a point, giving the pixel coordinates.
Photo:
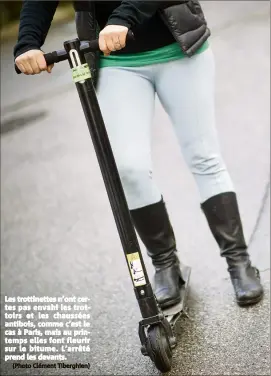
(10, 14)
(10, 10)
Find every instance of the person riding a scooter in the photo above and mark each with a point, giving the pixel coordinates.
(170, 56)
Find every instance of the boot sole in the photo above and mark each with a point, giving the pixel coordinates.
(170, 303)
(250, 302)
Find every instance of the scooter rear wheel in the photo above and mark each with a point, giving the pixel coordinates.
(160, 351)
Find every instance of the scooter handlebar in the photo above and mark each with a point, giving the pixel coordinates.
(85, 47)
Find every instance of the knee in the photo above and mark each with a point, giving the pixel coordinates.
(207, 165)
(133, 177)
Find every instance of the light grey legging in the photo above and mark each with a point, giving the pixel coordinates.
(185, 88)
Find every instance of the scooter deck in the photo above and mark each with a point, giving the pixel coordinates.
(173, 313)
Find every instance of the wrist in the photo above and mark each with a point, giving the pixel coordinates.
(25, 49)
(118, 21)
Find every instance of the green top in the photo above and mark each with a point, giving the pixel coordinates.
(160, 55)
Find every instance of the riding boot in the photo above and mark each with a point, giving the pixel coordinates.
(154, 228)
(222, 214)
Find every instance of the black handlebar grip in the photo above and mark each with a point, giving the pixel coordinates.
(51, 58)
(17, 70)
(130, 36)
(94, 45)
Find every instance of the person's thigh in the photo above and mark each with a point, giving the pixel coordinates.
(126, 98)
(185, 88)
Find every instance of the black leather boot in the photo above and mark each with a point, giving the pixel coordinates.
(153, 226)
(223, 217)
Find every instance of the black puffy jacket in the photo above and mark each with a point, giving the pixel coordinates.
(184, 18)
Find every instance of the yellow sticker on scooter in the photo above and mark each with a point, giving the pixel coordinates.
(81, 73)
(136, 269)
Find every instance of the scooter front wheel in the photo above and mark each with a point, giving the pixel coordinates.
(159, 348)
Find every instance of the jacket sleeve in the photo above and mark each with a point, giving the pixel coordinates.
(35, 22)
(132, 13)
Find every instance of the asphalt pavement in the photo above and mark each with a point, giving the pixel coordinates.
(58, 236)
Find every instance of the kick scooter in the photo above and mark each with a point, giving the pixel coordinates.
(156, 329)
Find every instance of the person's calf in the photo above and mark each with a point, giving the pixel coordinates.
(223, 217)
(154, 228)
